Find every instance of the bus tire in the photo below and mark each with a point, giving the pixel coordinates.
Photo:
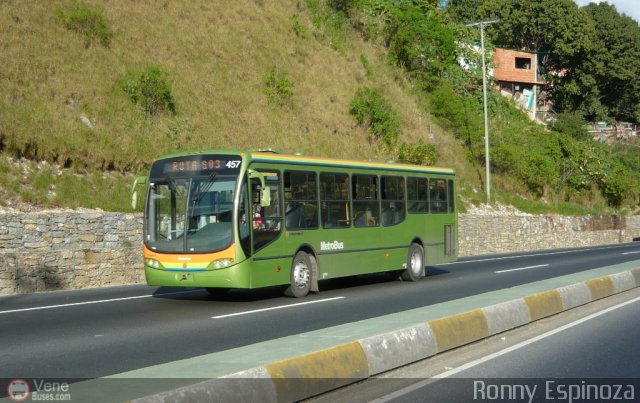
(300, 277)
(415, 263)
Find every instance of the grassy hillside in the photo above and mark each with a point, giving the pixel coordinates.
(217, 58)
(74, 128)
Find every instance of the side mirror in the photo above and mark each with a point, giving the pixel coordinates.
(265, 196)
(265, 192)
(140, 180)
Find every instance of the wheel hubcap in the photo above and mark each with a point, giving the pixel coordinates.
(416, 262)
(301, 275)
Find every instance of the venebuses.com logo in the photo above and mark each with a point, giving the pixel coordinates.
(19, 390)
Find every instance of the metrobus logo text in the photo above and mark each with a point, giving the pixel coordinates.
(335, 245)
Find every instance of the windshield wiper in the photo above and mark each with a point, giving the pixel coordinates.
(199, 194)
(204, 189)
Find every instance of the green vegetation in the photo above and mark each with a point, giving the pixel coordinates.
(420, 153)
(364, 79)
(421, 42)
(596, 49)
(86, 20)
(560, 166)
(367, 66)
(330, 23)
(370, 109)
(42, 184)
(297, 28)
(151, 90)
(278, 87)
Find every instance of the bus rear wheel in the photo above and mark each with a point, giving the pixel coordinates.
(300, 279)
(415, 263)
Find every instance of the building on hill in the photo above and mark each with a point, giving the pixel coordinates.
(516, 74)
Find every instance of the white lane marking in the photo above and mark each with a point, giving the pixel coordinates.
(631, 253)
(535, 254)
(520, 268)
(274, 307)
(91, 302)
(471, 364)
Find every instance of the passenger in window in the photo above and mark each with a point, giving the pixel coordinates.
(257, 217)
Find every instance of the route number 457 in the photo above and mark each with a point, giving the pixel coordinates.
(233, 164)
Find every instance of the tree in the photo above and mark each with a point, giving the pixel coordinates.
(573, 125)
(590, 55)
(617, 64)
(466, 11)
(421, 42)
(557, 29)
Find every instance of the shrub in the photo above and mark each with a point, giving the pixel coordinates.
(297, 28)
(462, 115)
(418, 153)
(152, 90)
(330, 23)
(370, 109)
(571, 124)
(88, 21)
(340, 5)
(278, 87)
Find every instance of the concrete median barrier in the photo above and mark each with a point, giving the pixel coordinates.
(307, 375)
(395, 349)
(311, 374)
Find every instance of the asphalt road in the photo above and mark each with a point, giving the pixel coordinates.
(98, 332)
(587, 354)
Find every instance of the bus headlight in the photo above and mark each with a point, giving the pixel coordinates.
(221, 263)
(153, 264)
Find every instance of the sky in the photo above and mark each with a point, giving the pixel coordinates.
(629, 7)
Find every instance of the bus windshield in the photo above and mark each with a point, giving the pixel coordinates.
(190, 214)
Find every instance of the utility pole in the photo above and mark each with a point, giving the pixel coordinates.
(486, 113)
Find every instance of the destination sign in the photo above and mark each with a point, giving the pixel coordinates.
(196, 165)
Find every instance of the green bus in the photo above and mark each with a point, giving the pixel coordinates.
(225, 219)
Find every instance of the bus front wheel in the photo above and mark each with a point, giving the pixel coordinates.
(300, 278)
(415, 263)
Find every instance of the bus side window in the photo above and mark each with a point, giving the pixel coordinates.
(438, 195)
(266, 221)
(365, 201)
(392, 200)
(244, 220)
(334, 200)
(301, 201)
(452, 198)
(418, 195)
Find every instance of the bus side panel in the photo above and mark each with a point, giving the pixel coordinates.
(267, 272)
(360, 251)
(433, 237)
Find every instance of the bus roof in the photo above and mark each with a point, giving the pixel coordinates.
(275, 157)
(333, 162)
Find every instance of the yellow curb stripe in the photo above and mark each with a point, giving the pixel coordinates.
(544, 304)
(310, 374)
(600, 287)
(457, 330)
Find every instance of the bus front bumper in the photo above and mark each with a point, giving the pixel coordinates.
(231, 277)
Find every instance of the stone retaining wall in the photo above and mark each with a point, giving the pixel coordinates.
(512, 233)
(68, 250)
(43, 251)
